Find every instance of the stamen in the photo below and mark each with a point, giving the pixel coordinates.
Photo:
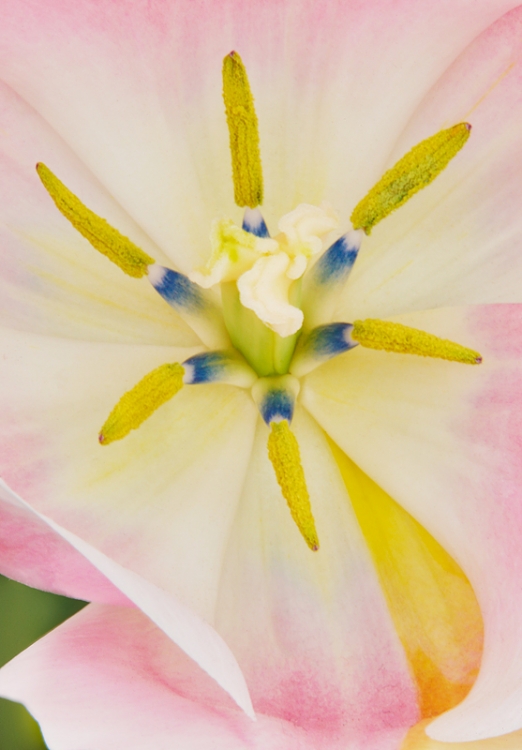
(195, 305)
(138, 404)
(178, 290)
(321, 344)
(275, 397)
(283, 452)
(107, 240)
(394, 337)
(413, 172)
(324, 282)
(254, 223)
(335, 265)
(243, 132)
(218, 367)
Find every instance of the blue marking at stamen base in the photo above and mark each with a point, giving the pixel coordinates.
(207, 367)
(254, 223)
(176, 289)
(277, 405)
(337, 262)
(329, 340)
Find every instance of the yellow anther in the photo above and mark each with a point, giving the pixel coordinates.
(283, 452)
(394, 337)
(243, 131)
(414, 171)
(138, 404)
(100, 234)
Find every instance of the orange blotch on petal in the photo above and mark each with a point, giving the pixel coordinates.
(431, 601)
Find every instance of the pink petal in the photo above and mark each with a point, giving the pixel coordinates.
(138, 94)
(194, 636)
(443, 439)
(108, 678)
(458, 241)
(33, 553)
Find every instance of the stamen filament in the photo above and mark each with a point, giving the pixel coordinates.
(218, 367)
(138, 404)
(283, 452)
(324, 282)
(395, 337)
(195, 305)
(107, 240)
(254, 223)
(321, 344)
(413, 172)
(243, 132)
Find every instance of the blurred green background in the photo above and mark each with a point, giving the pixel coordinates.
(25, 615)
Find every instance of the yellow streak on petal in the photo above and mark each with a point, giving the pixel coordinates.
(432, 603)
(107, 240)
(138, 404)
(394, 337)
(243, 131)
(283, 452)
(413, 172)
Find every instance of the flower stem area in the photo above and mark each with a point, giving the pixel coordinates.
(25, 615)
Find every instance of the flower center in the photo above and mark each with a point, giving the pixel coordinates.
(261, 281)
(278, 294)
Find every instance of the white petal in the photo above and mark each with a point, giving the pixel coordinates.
(160, 501)
(138, 95)
(311, 630)
(458, 241)
(51, 279)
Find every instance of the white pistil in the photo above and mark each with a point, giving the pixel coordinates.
(265, 268)
(265, 288)
(234, 251)
(304, 226)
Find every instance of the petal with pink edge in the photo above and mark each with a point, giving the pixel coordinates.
(311, 630)
(457, 242)
(108, 678)
(443, 439)
(138, 94)
(191, 634)
(33, 553)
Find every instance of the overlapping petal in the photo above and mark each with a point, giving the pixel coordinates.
(108, 677)
(98, 574)
(35, 554)
(444, 441)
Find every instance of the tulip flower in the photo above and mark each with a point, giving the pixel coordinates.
(280, 451)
